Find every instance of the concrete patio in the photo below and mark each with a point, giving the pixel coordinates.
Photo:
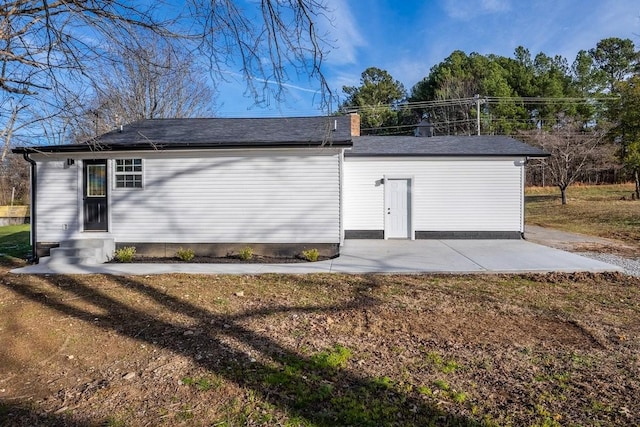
(376, 256)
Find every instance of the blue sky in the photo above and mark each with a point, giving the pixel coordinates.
(408, 37)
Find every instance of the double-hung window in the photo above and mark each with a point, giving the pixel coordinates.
(128, 173)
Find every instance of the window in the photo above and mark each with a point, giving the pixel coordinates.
(96, 180)
(128, 173)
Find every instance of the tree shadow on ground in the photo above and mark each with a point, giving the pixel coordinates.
(312, 389)
(24, 415)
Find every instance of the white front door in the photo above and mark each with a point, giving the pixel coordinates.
(397, 224)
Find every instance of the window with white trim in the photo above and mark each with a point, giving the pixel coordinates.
(128, 173)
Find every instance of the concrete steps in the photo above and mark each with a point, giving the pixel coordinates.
(82, 252)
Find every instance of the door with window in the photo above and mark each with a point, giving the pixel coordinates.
(95, 195)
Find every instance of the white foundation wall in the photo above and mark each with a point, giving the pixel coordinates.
(452, 194)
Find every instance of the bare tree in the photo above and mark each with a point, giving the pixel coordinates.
(42, 38)
(573, 149)
(155, 81)
(50, 47)
(148, 82)
(19, 117)
(6, 133)
(14, 180)
(455, 116)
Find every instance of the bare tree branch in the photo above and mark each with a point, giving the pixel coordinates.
(153, 81)
(52, 50)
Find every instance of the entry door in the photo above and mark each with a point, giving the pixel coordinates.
(95, 195)
(398, 209)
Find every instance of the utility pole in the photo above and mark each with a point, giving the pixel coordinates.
(477, 97)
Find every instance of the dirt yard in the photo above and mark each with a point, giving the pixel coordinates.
(319, 350)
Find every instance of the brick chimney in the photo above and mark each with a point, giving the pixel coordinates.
(355, 124)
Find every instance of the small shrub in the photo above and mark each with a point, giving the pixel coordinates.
(311, 255)
(185, 254)
(245, 254)
(125, 254)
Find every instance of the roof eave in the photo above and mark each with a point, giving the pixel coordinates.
(150, 146)
(530, 156)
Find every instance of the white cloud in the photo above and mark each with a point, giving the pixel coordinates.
(611, 19)
(495, 5)
(410, 71)
(465, 10)
(346, 78)
(564, 33)
(343, 33)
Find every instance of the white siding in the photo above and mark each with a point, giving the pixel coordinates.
(266, 198)
(448, 194)
(57, 204)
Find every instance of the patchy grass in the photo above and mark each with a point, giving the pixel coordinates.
(320, 350)
(596, 210)
(14, 241)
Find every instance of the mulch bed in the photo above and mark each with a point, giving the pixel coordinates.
(256, 259)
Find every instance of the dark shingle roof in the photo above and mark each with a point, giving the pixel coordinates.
(173, 134)
(441, 146)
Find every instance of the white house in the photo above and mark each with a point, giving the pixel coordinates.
(278, 185)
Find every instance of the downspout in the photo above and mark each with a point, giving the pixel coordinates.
(341, 197)
(33, 220)
(523, 178)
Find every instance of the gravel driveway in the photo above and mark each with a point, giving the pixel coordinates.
(577, 243)
(631, 265)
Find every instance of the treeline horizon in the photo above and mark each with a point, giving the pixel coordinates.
(586, 113)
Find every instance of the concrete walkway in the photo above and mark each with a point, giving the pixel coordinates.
(377, 256)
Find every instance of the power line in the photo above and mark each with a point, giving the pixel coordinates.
(471, 101)
(440, 110)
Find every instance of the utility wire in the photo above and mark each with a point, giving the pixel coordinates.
(471, 101)
(457, 103)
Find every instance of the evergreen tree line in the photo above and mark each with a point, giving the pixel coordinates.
(589, 108)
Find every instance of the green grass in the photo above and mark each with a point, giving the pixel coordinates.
(203, 383)
(334, 358)
(598, 210)
(444, 366)
(14, 241)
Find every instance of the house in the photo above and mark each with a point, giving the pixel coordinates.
(277, 185)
